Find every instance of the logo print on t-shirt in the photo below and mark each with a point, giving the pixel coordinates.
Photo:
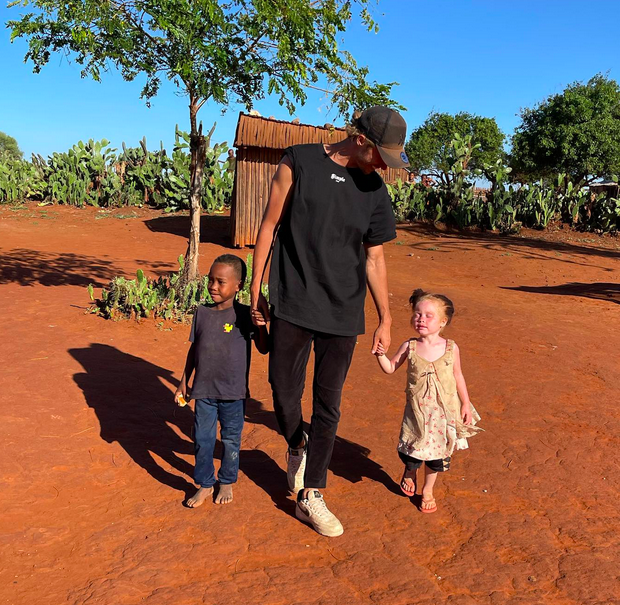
(228, 328)
(338, 179)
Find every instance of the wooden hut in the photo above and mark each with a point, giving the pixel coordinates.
(610, 188)
(260, 143)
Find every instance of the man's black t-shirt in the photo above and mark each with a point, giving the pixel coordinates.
(318, 270)
(222, 341)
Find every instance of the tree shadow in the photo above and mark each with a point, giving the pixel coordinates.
(135, 408)
(214, 228)
(598, 291)
(452, 240)
(30, 267)
(350, 461)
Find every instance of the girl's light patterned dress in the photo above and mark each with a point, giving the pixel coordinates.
(432, 428)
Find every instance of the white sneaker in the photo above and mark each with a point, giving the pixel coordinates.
(314, 511)
(296, 467)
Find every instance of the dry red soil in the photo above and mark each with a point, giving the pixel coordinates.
(97, 461)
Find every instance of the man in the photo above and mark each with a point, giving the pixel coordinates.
(326, 220)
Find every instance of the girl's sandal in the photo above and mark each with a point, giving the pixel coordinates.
(406, 491)
(433, 507)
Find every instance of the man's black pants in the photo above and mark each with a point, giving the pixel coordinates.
(288, 358)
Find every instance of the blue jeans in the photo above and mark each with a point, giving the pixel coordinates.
(231, 415)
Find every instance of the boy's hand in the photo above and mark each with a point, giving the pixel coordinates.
(466, 413)
(180, 396)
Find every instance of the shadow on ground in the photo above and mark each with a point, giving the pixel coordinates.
(452, 240)
(350, 460)
(597, 291)
(29, 267)
(214, 229)
(135, 408)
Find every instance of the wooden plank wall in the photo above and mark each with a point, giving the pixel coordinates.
(255, 170)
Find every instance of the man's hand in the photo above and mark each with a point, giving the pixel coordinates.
(381, 339)
(260, 311)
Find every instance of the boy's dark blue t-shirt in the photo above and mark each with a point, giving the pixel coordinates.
(223, 344)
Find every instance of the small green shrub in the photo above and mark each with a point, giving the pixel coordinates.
(163, 297)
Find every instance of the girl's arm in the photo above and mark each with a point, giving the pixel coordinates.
(261, 339)
(389, 366)
(190, 363)
(461, 387)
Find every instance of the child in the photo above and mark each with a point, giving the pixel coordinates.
(221, 338)
(438, 416)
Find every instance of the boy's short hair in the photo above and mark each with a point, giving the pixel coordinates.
(236, 263)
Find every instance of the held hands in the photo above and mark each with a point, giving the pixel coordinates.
(381, 340)
(260, 311)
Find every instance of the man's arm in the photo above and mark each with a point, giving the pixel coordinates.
(279, 196)
(376, 274)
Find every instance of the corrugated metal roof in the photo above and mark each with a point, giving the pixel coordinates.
(266, 133)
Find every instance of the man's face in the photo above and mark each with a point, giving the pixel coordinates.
(368, 158)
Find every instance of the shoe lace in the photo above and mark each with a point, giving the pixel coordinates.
(318, 507)
(294, 461)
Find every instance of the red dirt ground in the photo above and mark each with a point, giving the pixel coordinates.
(97, 460)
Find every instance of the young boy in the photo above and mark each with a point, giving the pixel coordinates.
(219, 355)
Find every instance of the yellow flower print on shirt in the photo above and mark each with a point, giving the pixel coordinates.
(228, 328)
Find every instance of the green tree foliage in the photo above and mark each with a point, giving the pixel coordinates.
(9, 147)
(576, 132)
(220, 50)
(430, 147)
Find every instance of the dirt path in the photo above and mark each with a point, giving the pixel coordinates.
(97, 461)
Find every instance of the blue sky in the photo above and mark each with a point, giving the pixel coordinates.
(490, 58)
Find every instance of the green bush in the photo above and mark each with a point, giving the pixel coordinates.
(164, 297)
(19, 179)
(505, 207)
(93, 174)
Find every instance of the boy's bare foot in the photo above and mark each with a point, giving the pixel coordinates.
(224, 494)
(408, 483)
(199, 497)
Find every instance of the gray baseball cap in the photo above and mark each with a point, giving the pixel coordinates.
(387, 129)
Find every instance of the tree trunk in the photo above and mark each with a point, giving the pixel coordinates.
(198, 154)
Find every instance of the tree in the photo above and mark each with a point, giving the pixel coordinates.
(9, 146)
(576, 132)
(220, 50)
(429, 147)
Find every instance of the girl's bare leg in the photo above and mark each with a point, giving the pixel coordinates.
(428, 500)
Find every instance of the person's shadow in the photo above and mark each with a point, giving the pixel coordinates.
(350, 461)
(135, 408)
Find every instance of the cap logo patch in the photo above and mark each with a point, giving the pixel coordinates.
(403, 157)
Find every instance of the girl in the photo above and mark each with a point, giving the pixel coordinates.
(438, 416)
